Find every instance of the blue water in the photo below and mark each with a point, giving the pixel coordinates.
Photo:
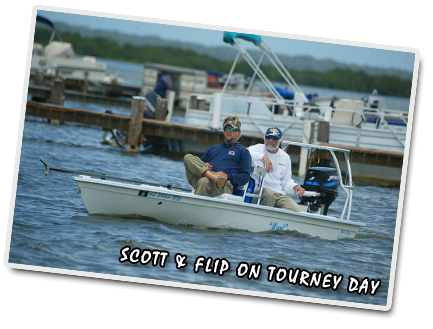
(52, 229)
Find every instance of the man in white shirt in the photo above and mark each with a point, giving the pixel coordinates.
(279, 179)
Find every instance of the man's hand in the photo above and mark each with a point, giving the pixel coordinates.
(299, 191)
(221, 174)
(210, 166)
(268, 163)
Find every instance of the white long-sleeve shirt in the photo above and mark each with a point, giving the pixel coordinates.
(280, 180)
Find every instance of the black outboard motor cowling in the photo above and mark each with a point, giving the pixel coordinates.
(322, 180)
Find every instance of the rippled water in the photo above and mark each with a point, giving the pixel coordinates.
(51, 227)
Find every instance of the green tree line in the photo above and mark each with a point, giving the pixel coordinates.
(338, 78)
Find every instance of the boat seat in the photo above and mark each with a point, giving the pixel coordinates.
(348, 113)
(246, 193)
(237, 195)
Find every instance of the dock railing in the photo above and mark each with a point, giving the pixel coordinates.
(245, 105)
(386, 116)
(208, 110)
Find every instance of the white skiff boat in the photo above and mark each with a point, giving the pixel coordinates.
(182, 207)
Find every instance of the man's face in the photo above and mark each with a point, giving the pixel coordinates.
(271, 142)
(231, 136)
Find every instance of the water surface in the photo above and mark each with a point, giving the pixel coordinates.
(52, 229)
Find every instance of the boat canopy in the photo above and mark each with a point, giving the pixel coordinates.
(284, 93)
(289, 95)
(57, 49)
(229, 36)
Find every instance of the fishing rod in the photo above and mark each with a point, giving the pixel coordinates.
(103, 176)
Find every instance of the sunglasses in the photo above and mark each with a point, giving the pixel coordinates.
(230, 129)
(272, 138)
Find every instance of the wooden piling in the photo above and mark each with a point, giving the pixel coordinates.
(308, 137)
(57, 93)
(323, 132)
(161, 109)
(134, 132)
(57, 97)
(85, 84)
(39, 78)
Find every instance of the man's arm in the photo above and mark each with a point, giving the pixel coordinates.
(299, 191)
(255, 152)
(256, 155)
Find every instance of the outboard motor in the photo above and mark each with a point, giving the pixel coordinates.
(323, 181)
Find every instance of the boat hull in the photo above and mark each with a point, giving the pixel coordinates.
(182, 208)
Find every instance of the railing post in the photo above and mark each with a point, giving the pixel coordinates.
(323, 132)
(57, 71)
(39, 78)
(134, 132)
(217, 100)
(307, 137)
(170, 104)
(85, 83)
(358, 136)
(57, 96)
(161, 109)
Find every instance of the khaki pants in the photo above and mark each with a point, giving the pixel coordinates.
(273, 199)
(194, 169)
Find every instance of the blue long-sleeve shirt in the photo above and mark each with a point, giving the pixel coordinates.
(233, 159)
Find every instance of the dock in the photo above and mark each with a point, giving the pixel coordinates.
(41, 94)
(367, 165)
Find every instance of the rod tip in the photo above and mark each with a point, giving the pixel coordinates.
(46, 166)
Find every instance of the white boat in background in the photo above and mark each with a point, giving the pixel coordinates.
(107, 195)
(186, 81)
(350, 120)
(375, 113)
(58, 57)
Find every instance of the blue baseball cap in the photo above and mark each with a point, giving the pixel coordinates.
(274, 131)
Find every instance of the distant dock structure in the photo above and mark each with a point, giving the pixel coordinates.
(184, 82)
(187, 81)
(367, 165)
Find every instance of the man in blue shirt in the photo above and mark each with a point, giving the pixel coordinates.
(221, 166)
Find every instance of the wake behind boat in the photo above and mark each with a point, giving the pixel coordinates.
(240, 210)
